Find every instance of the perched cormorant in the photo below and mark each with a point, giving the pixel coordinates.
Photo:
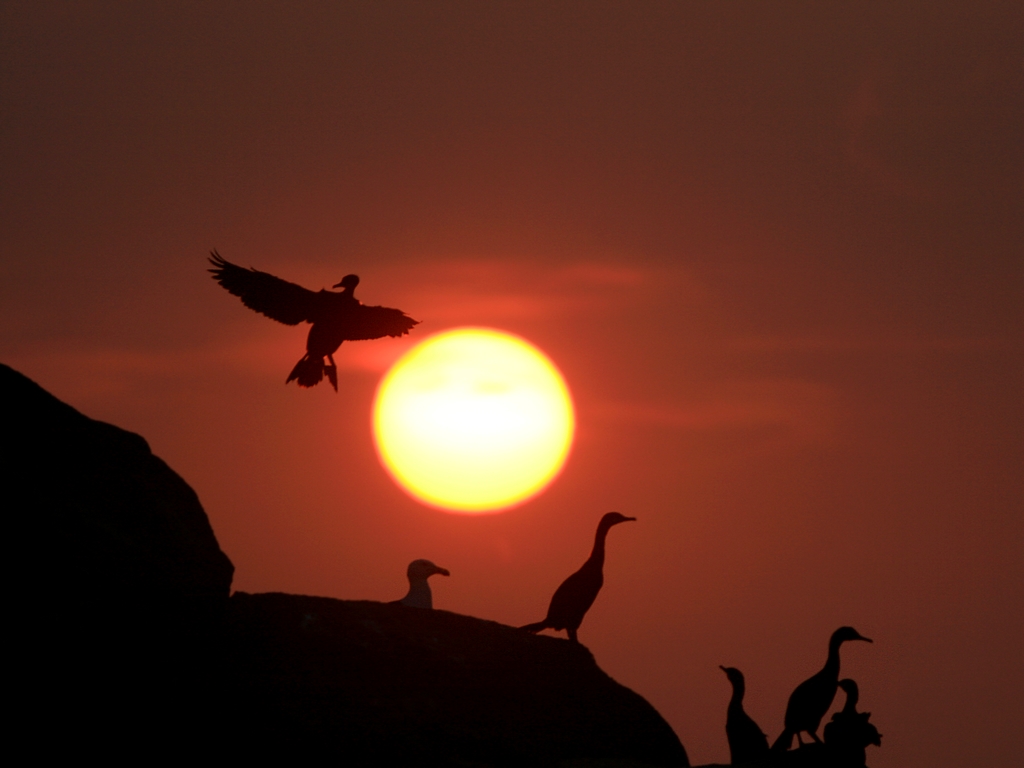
(419, 591)
(747, 743)
(812, 698)
(577, 593)
(849, 732)
(336, 316)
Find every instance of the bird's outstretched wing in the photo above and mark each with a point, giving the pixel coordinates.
(375, 322)
(278, 299)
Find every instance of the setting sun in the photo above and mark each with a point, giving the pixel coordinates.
(473, 420)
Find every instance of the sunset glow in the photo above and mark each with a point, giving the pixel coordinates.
(473, 420)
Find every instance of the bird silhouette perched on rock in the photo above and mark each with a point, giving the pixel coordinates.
(336, 316)
(849, 733)
(419, 595)
(747, 742)
(812, 698)
(578, 592)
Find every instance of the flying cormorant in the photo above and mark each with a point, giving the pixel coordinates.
(419, 591)
(336, 316)
(577, 593)
(849, 732)
(812, 698)
(747, 742)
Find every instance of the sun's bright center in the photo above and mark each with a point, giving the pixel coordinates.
(473, 420)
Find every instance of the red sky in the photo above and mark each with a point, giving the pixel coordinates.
(775, 249)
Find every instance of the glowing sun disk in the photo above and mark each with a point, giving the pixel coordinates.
(473, 420)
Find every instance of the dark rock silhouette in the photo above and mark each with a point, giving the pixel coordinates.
(336, 316)
(577, 593)
(812, 698)
(419, 595)
(747, 742)
(122, 580)
(126, 644)
(849, 733)
(395, 686)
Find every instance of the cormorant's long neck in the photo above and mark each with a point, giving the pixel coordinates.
(736, 702)
(832, 663)
(597, 553)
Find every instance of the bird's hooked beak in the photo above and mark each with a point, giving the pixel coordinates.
(440, 570)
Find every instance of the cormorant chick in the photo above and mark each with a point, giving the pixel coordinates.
(849, 732)
(747, 743)
(812, 698)
(336, 316)
(419, 595)
(577, 593)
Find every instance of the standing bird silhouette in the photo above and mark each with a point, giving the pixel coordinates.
(849, 733)
(578, 592)
(419, 595)
(747, 742)
(812, 698)
(336, 316)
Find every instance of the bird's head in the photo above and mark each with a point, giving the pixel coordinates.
(348, 282)
(424, 569)
(849, 686)
(843, 634)
(614, 518)
(734, 675)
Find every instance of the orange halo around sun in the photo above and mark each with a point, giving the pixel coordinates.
(473, 420)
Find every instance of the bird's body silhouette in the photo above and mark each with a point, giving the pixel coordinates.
(419, 595)
(336, 316)
(577, 593)
(812, 698)
(849, 733)
(747, 742)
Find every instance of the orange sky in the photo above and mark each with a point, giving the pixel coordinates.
(775, 249)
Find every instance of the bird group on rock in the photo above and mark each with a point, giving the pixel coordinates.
(846, 736)
(336, 316)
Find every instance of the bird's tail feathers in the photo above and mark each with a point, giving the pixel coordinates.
(309, 372)
(536, 627)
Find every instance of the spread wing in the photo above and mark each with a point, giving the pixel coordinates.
(278, 299)
(374, 322)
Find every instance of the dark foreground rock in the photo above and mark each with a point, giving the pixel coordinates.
(119, 585)
(809, 755)
(399, 685)
(127, 647)
(110, 521)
